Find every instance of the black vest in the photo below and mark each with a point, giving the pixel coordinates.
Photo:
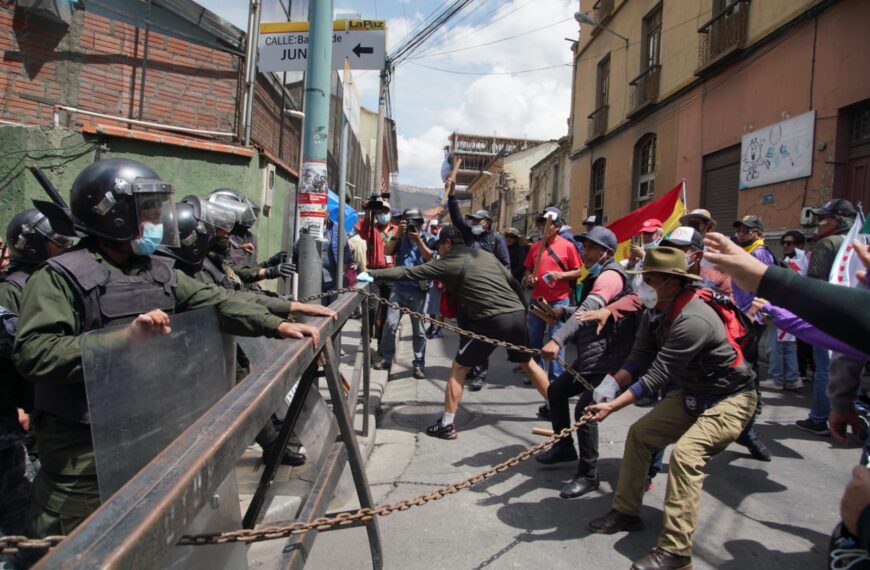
(17, 278)
(605, 353)
(220, 277)
(104, 298)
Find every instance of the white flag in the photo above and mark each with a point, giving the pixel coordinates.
(847, 263)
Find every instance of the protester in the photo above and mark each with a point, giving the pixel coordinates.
(700, 220)
(410, 249)
(494, 308)
(681, 338)
(551, 268)
(650, 234)
(834, 219)
(599, 352)
(378, 231)
(792, 243)
(518, 249)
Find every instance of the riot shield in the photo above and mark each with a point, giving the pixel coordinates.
(143, 395)
(261, 352)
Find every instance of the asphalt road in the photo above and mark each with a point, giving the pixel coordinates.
(753, 515)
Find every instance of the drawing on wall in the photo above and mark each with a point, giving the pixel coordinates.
(783, 151)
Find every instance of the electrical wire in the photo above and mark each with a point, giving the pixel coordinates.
(492, 42)
(490, 72)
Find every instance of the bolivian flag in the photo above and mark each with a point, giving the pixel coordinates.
(668, 208)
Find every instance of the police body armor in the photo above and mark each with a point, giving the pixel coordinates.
(107, 298)
(17, 278)
(220, 277)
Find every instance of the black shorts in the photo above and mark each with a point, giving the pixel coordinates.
(509, 327)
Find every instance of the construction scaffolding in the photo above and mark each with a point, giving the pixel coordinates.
(478, 151)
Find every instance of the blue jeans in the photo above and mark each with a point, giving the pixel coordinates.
(781, 358)
(821, 405)
(415, 301)
(537, 327)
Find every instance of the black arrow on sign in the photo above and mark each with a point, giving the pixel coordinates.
(359, 50)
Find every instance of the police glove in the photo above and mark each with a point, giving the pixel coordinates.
(275, 259)
(285, 269)
(606, 391)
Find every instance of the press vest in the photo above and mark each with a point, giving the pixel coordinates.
(104, 298)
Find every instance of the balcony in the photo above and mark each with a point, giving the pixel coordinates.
(644, 89)
(601, 11)
(724, 35)
(597, 123)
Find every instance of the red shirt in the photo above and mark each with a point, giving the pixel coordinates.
(567, 254)
(377, 259)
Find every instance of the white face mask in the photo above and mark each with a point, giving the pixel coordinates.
(477, 230)
(647, 295)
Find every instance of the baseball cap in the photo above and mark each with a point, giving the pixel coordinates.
(449, 232)
(836, 207)
(512, 232)
(480, 215)
(551, 210)
(600, 235)
(698, 213)
(751, 222)
(651, 225)
(683, 236)
(395, 213)
(592, 221)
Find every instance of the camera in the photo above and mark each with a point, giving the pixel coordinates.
(375, 202)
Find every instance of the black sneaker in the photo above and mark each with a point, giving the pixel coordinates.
(557, 454)
(615, 521)
(758, 450)
(476, 384)
(442, 431)
(382, 365)
(818, 428)
(419, 374)
(544, 412)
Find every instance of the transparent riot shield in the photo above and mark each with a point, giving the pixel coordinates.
(261, 353)
(142, 395)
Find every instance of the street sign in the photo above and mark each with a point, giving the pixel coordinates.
(283, 46)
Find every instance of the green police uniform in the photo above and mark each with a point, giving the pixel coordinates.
(48, 353)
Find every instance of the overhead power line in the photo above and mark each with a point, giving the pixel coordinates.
(416, 39)
(491, 72)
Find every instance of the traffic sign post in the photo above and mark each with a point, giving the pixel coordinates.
(284, 46)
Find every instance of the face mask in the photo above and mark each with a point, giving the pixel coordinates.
(596, 268)
(221, 244)
(477, 230)
(152, 235)
(691, 259)
(650, 245)
(647, 295)
(383, 219)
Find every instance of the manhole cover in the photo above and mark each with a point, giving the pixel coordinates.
(421, 416)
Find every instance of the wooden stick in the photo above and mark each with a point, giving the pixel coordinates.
(542, 431)
(450, 185)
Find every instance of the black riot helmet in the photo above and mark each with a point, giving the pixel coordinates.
(238, 203)
(115, 198)
(27, 234)
(197, 220)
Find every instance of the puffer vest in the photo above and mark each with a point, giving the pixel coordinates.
(105, 298)
(605, 353)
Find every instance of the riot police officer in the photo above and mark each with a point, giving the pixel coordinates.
(126, 211)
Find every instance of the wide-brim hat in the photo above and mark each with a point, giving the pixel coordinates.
(663, 259)
(697, 213)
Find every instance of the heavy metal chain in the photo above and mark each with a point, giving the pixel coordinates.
(453, 328)
(14, 544)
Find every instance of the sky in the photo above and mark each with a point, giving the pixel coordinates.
(472, 89)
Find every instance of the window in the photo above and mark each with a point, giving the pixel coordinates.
(652, 39)
(597, 188)
(645, 161)
(603, 82)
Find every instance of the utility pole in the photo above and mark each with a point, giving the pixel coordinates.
(312, 196)
(379, 149)
(251, 67)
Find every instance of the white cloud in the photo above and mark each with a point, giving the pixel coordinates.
(417, 154)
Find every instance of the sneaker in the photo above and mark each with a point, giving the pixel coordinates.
(771, 384)
(615, 521)
(382, 365)
(794, 385)
(557, 454)
(419, 373)
(544, 412)
(476, 384)
(660, 559)
(442, 431)
(818, 428)
(758, 450)
(437, 333)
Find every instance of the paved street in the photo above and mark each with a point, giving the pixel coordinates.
(753, 515)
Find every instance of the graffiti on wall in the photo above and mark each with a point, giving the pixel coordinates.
(782, 151)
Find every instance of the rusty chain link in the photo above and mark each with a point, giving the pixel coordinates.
(12, 544)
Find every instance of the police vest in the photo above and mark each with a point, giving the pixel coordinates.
(17, 278)
(599, 354)
(220, 277)
(105, 298)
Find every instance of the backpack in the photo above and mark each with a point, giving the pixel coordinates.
(738, 327)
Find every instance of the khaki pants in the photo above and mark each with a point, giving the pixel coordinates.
(697, 440)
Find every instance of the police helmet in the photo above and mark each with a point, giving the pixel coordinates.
(113, 198)
(238, 203)
(197, 221)
(27, 234)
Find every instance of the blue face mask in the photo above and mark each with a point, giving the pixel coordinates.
(651, 245)
(152, 235)
(383, 219)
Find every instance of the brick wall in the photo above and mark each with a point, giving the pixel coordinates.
(97, 65)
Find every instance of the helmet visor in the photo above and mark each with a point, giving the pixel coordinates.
(216, 216)
(158, 209)
(43, 227)
(242, 211)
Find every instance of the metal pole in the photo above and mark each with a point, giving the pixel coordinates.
(312, 172)
(377, 183)
(251, 78)
(342, 185)
(243, 116)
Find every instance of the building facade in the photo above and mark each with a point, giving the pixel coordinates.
(550, 181)
(759, 106)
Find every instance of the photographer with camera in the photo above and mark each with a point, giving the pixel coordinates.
(377, 231)
(410, 249)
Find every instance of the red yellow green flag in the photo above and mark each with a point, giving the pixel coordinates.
(668, 208)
